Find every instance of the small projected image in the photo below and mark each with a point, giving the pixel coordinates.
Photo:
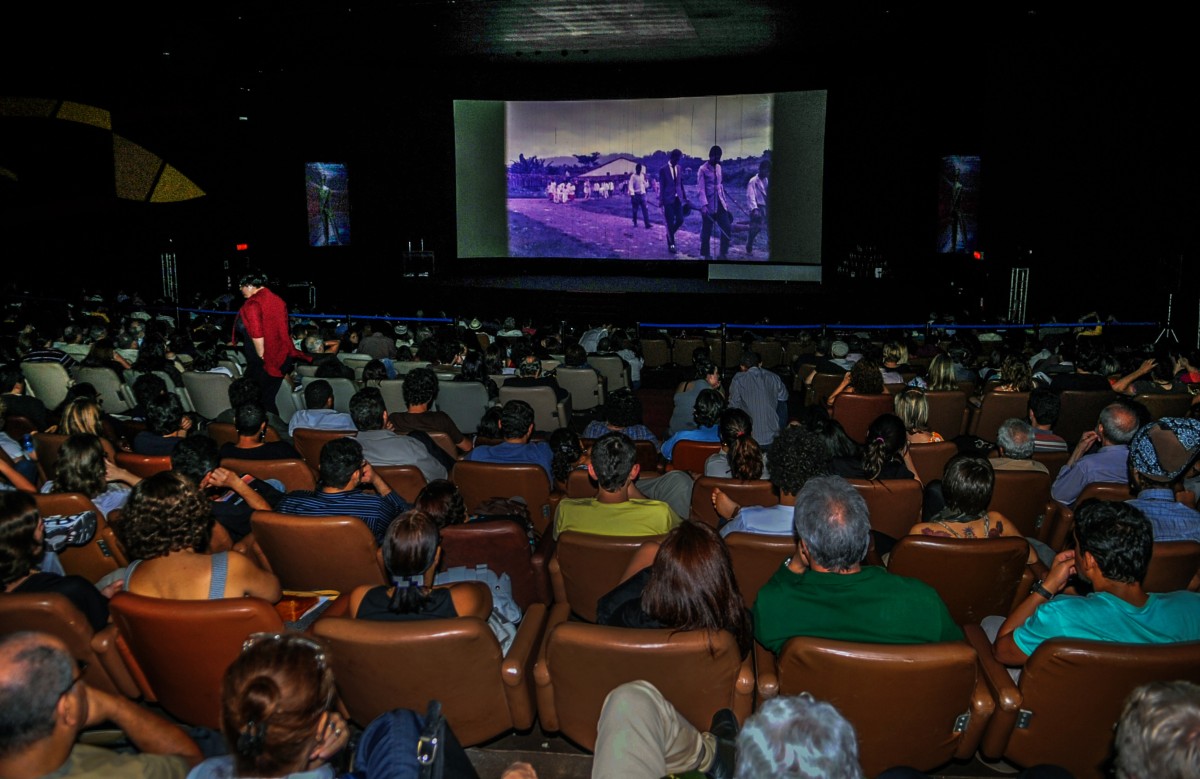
(328, 187)
(958, 204)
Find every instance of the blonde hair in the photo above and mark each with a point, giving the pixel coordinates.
(941, 374)
(896, 352)
(82, 415)
(913, 409)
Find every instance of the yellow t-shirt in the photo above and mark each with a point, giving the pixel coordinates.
(630, 518)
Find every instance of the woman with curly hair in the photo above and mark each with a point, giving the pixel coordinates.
(683, 583)
(865, 378)
(796, 456)
(740, 457)
(83, 468)
(1015, 375)
(166, 528)
(568, 455)
(884, 457)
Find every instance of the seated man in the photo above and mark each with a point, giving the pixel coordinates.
(1159, 455)
(17, 400)
(245, 390)
(1118, 422)
(383, 446)
(420, 390)
(1016, 442)
(623, 413)
(319, 414)
(1112, 551)
(529, 374)
(166, 426)
(1044, 408)
(46, 705)
(343, 473)
(252, 434)
(620, 507)
(825, 591)
(234, 499)
(796, 456)
(516, 426)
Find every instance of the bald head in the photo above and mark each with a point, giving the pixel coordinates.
(36, 670)
(1118, 423)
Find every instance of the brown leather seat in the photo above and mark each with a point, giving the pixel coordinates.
(822, 386)
(994, 409)
(914, 705)
(1160, 406)
(580, 484)
(856, 412)
(1064, 520)
(948, 413)
(383, 665)
(1054, 462)
(580, 665)
(586, 566)
(144, 465)
(755, 558)
(100, 556)
(49, 612)
(226, 433)
(1080, 413)
(930, 459)
(480, 481)
(1024, 498)
(318, 553)
(47, 446)
(294, 474)
(178, 650)
(407, 480)
(757, 492)
(975, 577)
(1173, 566)
(690, 455)
(503, 546)
(308, 443)
(894, 504)
(1070, 697)
(549, 413)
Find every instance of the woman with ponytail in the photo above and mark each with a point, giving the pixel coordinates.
(885, 455)
(740, 457)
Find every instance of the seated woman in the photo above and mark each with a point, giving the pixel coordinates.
(208, 359)
(568, 455)
(103, 354)
(411, 552)
(1155, 376)
(864, 378)
(1015, 375)
(913, 409)
(796, 456)
(82, 415)
(884, 457)
(250, 419)
(684, 583)
(166, 527)
(708, 377)
(740, 457)
(153, 356)
(941, 376)
(22, 550)
(475, 368)
(709, 406)
(895, 362)
(622, 413)
(83, 468)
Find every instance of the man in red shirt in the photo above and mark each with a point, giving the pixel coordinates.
(263, 326)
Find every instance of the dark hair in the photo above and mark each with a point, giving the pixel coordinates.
(374, 370)
(367, 408)
(243, 390)
(80, 466)
(708, 408)
(515, 419)
(575, 356)
(340, 458)
(489, 423)
(420, 387)
(796, 455)
(164, 414)
(474, 368)
(831, 433)
(886, 440)
(737, 434)
(613, 457)
(317, 393)
(967, 484)
(691, 585)
(1045, 405)
(442, 502)
(1015, 371)
(622, 408)
(195, 457)
(1118, 535)
(253, 278)
(147, 387)
(704, 366)
(19, 551)
(409, 550)
(152, 356)
(866, 378)
(272, 699)
(567, 450)
(100, 355)
(249, 418)
(38, 676)
(165, 513)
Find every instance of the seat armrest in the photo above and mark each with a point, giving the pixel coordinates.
(544, 685)
(540, 561)
(983, 706)
(767, 672)
(1050, 520)
(526, 646)
(1004, 692)
(744, 689)
(104, 644)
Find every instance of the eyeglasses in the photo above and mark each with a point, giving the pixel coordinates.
(82, 666)
(294, 639)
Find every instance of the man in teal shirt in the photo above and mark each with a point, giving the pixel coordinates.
(826, 592)
(1113, 544)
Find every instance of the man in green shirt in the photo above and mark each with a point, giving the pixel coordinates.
(826, 592)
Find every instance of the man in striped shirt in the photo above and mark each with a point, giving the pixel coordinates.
(340, 493)
(762, 395)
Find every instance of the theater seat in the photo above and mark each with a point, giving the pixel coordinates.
(549, 413)
(293, 473)
(95, 559)
(1173, 566)
(586, 566)
(975, 577)
(144, 465)
(930, 459)
(503, 546)
(690, 455)
(856, 412)
(407, 480)
(1064, 518)
(894, 504)
(1023, 497)
(756, 492)
(480, 481)
(308, 443)
(318, 553)
(756, 558)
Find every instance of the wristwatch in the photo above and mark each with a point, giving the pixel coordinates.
(1040, 590)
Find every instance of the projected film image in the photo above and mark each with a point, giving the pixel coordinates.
(680, 178)
(958, 204)
(328, 190)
